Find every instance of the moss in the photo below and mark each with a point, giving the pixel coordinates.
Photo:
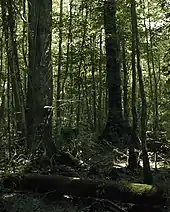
(136, 187)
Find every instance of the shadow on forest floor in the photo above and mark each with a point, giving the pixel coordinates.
(12, 201)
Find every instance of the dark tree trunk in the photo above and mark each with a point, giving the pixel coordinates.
(125, 81)
(132, 162)
(40, 89)
(113, 129)
(123, 191)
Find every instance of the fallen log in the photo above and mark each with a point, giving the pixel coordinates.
(112, 190)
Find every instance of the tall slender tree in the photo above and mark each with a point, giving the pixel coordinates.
(132, 156)
(58, 99)
(146, 166)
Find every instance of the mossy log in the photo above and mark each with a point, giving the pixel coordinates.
(112, 190)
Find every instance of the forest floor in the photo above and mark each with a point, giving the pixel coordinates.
(15, 201)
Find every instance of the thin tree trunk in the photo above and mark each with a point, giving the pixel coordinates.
(93, 83)
(80, 65)
(71, 75)
(132, 156)
(149, 66)
(100, 86)
(125, 81)
(146, 166)
(155, 95)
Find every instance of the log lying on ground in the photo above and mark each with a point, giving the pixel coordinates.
(58, 185)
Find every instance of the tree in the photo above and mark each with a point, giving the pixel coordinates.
(146, 166)
(14, 76)
(132, 155)
(40, 86)
(81, 59)
(58, 97)
(113, 130)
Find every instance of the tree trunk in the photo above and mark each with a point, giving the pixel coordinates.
(93, 83)
(40, 88)
(59, 185)
(132, 162)
(113, 129)
(146, 166)
(59, 73)
(125, 81)
(13, 66)
(80, 64)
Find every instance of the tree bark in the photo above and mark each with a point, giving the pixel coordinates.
(146, 166)
(113, 129)
(40, 87)
(132, 162)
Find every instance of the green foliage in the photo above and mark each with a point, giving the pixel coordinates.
(83, 77)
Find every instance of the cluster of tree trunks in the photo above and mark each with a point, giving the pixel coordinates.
(112, 190)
